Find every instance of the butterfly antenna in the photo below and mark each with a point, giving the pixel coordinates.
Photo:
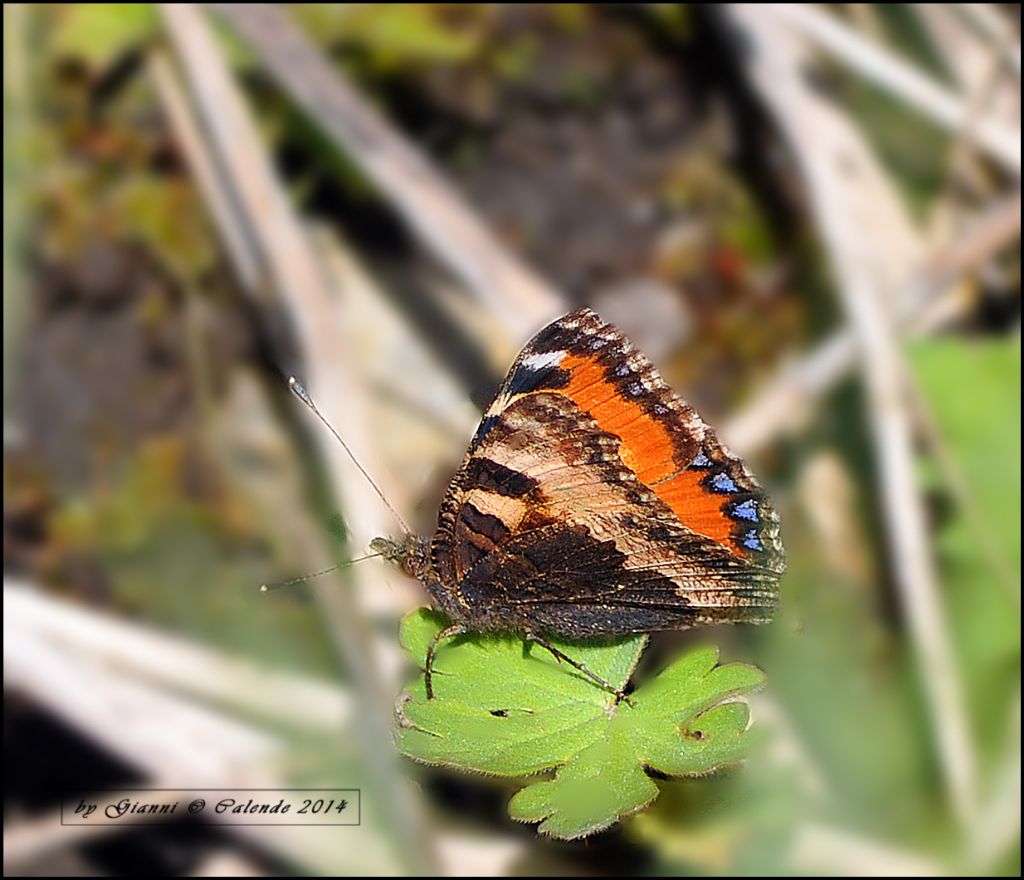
(276, 585)
(303, 395)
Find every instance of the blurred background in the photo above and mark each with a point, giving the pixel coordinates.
(807, 216)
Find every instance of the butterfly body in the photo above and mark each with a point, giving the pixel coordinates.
(593, 501)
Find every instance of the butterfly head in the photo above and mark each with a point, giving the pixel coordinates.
(410, 553)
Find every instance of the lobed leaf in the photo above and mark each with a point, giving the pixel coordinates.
(508, 708)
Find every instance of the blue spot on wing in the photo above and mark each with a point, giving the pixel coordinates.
(700, 460)
(751, 541)
(747, 510)
(723, 483)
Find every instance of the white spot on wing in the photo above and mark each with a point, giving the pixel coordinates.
(542, 359)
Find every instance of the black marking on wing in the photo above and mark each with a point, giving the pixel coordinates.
(482, 473)
(485, 525)
(557, 336)
(486, 426)
(477, 535)
(524, 379)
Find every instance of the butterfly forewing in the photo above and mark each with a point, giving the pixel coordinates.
(594, 500)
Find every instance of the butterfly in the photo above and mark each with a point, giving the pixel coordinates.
(594, 502)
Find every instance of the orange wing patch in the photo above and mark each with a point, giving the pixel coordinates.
(647, 449)
(697, 508)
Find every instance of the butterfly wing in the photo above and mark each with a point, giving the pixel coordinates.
(593, 501)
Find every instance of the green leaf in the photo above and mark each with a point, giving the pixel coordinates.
(973, 391)
(506, 707)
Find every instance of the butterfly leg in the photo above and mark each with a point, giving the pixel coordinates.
(620, 695)
(456, 629)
